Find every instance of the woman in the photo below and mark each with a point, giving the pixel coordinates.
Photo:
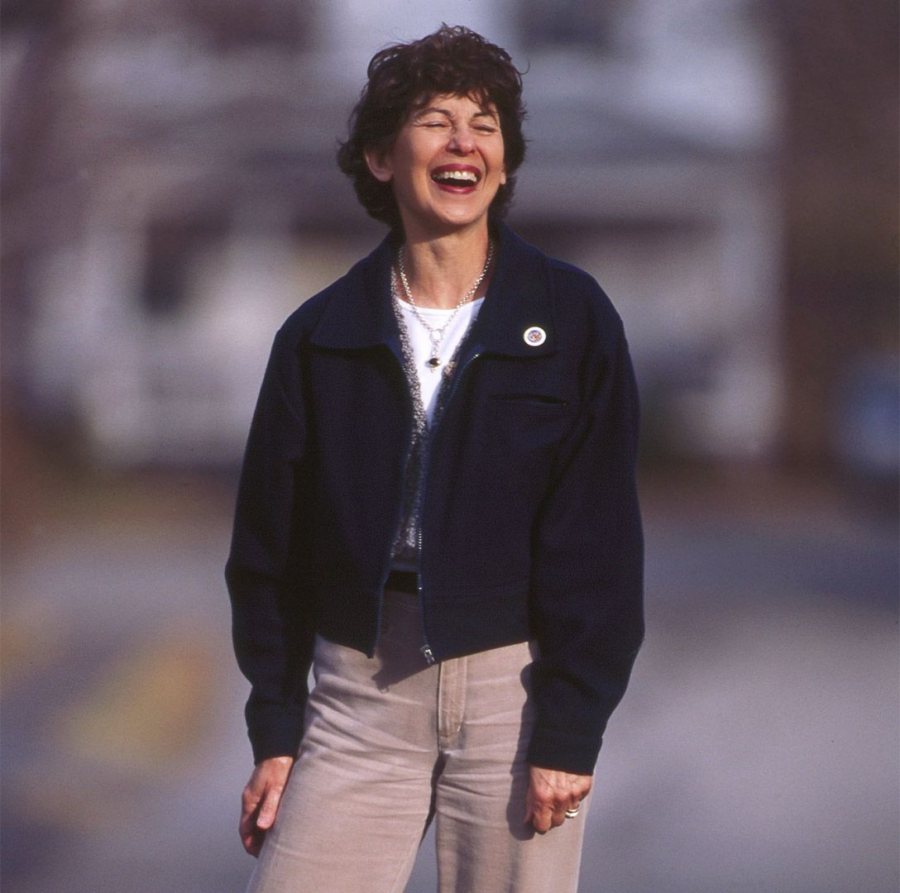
(438, 513)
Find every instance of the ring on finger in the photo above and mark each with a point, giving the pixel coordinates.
(571, 813)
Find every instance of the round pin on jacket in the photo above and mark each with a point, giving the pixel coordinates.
(534, 336)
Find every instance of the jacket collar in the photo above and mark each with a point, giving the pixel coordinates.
(519, 300)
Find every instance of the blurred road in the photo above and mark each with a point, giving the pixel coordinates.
(757, 749)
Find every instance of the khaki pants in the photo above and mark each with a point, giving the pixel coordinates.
(391, 744)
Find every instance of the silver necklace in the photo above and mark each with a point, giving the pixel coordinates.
(436, 333)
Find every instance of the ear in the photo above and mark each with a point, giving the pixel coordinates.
(379, 164)
(503, 176)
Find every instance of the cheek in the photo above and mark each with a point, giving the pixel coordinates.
(501, 163)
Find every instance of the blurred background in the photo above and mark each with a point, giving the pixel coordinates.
(726, 168)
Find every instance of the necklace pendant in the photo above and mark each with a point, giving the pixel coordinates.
(433, 363)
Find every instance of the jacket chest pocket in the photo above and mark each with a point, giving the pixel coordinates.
(526, 427)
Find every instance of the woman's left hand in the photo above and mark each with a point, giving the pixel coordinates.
(550, 793)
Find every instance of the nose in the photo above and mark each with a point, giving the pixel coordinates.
(462, 141)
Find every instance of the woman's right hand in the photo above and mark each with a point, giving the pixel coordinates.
(260, 799)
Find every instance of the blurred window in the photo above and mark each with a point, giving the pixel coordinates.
(173, 247)
(29, 12)
(241, 22)
(549, 23)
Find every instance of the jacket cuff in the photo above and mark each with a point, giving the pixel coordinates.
(281, 740)
(562, 750)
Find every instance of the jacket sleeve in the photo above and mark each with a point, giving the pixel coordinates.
(272, 637)
(588, 572)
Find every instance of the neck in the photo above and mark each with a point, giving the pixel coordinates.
(441, 270)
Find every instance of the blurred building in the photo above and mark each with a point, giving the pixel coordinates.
(171, 194)
(839, 172)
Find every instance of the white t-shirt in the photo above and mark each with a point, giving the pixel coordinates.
(420, 342)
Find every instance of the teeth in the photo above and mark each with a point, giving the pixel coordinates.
(461, 176)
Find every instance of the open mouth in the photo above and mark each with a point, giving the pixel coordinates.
(456, 176)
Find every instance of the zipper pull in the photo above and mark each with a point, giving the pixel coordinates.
(428, 654)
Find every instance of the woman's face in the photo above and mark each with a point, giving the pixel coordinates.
(446, 166)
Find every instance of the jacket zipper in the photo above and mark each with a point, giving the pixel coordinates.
(398, 515)
(427, 653)
(425, 649)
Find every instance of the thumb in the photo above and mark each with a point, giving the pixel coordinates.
(269, 809)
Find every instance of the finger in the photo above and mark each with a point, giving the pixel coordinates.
(269, 808)
(252, 844)
(542, 820)
(249, 828)
(251, 837)
(249, 804)
(544, 815)
(250, 797)
(537, 815)
(533, 804)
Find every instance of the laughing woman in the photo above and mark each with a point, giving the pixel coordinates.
(438, 514)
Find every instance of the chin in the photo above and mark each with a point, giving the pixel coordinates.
(464, 219)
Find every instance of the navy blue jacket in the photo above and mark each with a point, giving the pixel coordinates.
(530, 525)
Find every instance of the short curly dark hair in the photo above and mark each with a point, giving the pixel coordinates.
(402, 78)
